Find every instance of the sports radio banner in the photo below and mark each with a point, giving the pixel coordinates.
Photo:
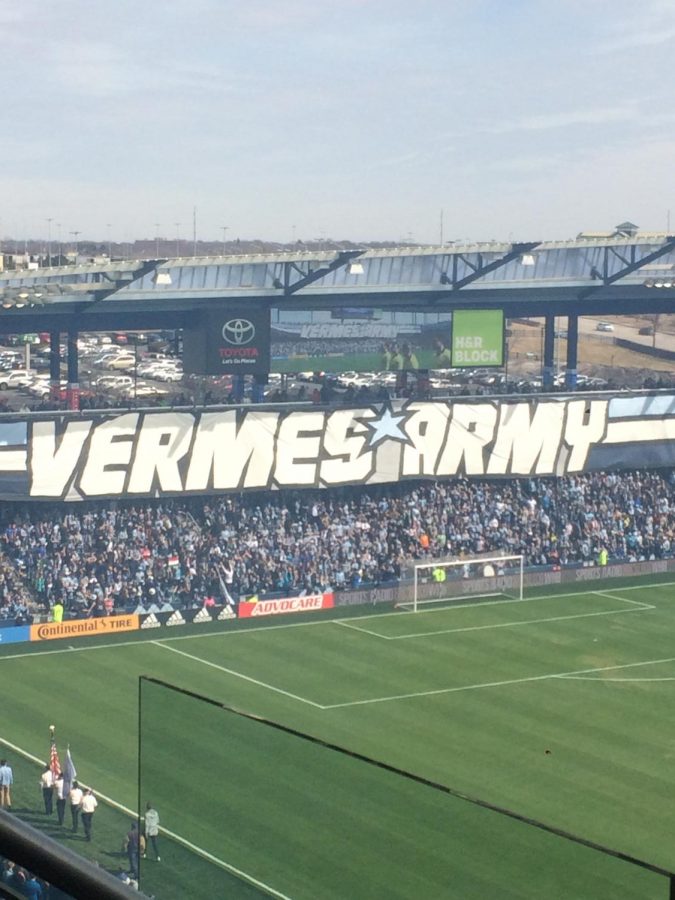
(165, 453)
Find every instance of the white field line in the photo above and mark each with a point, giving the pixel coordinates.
(347, 623)
(637, 603)
(225, 633)
(615, 680)
(140, 643)
(588, 615)
(176, 837)
(489, 684)
(263, 684)
(470, 605)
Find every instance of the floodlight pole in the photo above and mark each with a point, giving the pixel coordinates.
(49, 241)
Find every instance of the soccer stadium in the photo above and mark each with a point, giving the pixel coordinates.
(348, 645)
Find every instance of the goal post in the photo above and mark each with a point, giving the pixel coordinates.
(447, 581)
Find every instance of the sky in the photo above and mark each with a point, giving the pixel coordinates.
(361, 120)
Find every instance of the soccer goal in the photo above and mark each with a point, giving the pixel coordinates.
(446, 581)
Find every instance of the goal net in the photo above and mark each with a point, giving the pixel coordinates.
(446, 581)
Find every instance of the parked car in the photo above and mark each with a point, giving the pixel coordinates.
(113, 381)
(42, 387)
(121, 362)
(604, 326)
(647, 329)
(16, 379)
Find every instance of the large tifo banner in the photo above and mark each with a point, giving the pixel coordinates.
(165, 453)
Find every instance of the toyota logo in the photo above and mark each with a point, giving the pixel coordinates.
(238, 332)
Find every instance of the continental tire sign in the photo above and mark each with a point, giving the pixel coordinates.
(73, 628)
(169, 453)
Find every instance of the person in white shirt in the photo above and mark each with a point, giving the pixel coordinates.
(89, 804)
(47, 785)
(6, 782)
(60, 798)
(75, 797)
(152, 828)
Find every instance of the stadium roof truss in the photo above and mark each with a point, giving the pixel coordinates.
(584, 276)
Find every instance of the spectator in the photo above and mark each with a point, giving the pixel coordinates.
(176, 553)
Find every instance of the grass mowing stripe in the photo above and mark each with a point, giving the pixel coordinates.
(489, 684)
(599, 777)
(269, 687)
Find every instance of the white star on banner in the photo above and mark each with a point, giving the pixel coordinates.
(388, 425)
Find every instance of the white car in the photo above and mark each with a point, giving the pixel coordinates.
(15, 379)
(121, 362)
(113, 381)
(604, 326)
(144, 390)
(171, 376)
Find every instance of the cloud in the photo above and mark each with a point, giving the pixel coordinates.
(566, 119)
(649, 25)
(642, 37)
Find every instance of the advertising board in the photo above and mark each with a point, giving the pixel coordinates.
(478, 338)
(15, 635)
(311, 602)
(359, 340)
(73, 628)
(229, 341)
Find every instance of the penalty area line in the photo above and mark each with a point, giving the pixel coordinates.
(262, 684)
(490, 684)
(515, 624)
(638, 603)
(171, 834)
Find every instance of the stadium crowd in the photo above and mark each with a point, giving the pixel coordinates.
(108, 557)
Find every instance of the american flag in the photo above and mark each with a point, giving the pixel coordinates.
(54, 763)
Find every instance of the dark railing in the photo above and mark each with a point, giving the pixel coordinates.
(57, 864)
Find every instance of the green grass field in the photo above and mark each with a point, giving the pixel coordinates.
(470, 696)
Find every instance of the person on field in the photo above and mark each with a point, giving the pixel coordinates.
(152, 828)
(6, 782)
(75, 799)
(132, 845)
(89, 804)
(60, 798)
(47, 785)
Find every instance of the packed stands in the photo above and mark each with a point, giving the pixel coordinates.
(105, 557)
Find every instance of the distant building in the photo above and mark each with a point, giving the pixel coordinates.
(624, 230)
